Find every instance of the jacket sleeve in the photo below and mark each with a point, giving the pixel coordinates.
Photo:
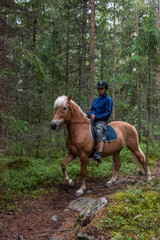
(107, 112)
(92, 108)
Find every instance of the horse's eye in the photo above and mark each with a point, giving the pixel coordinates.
(64, 108)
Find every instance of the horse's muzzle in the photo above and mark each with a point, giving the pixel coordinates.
(55, 125)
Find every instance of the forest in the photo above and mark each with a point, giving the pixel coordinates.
(46, 50)
(50, 48)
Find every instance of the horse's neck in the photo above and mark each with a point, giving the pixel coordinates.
(77, 122)
(78, 128)
(77, 115)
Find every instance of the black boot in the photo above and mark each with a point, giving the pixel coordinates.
(98, 156)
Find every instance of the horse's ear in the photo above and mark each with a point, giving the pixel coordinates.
(57, 96)
(69, 97)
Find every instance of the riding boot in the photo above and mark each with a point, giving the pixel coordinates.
(98, 156)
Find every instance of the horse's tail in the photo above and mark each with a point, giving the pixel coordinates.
(135, 159)
(133, 145)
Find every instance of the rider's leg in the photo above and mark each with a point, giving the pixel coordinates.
(101, 127)
(98, 154)
(100, 146)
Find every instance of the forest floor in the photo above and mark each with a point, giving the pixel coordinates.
(32, 220)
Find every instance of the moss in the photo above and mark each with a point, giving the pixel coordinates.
(134, 214)
(1, 227)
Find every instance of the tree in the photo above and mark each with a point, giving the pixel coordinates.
(83, 55)
(158, 4)
(92, 46)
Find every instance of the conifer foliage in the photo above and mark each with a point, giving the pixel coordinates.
(50, 48)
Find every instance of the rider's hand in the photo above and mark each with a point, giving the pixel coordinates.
(92, 117)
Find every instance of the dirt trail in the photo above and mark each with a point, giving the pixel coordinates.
(32, 219)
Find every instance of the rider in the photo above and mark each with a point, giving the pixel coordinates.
(99, 114)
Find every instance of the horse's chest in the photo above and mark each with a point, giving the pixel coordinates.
(74, 147)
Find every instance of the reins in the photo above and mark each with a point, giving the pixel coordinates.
(77, 122)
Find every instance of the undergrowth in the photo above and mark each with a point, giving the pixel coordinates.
(134, 214)
(22, 176)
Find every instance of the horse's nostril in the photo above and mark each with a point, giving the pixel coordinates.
(56, 124)
(53, 126)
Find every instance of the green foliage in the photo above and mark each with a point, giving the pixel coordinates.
(21, 176)
(15, 127)
(1, 227)
(134, 213)
(43, 57)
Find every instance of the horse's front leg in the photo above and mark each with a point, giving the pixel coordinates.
(84, 161)
(69, 158)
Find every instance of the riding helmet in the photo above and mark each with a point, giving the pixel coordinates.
(102, 84)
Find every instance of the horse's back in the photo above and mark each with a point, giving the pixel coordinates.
(120, 124)
(123, 130)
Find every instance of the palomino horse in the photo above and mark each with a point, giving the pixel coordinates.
(80, 142)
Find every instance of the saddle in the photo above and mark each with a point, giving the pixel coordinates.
(111, 135)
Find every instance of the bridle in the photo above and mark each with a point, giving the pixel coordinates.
(75, 122)
(69, 122)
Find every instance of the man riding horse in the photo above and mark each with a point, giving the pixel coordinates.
(99, 115)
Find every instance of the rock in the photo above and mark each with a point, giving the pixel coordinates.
(55, 238)
(54, 218)
(39, 210)
(87, 208)
(81, 203)
(85, 236)
(125, 180)
(89, 191)
(93, 208)
(20, 237)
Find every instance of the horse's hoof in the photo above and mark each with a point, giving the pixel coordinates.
(150, 177)
(109, 184)
(79, 193)
(71, 183)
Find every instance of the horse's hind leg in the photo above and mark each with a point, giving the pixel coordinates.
(69, 158)
(140, 156)
(117, 165)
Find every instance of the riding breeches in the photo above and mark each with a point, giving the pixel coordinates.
(101, 127)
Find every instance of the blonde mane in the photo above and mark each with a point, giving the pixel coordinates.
(62, 102)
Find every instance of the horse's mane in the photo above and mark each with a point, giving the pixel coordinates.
(62, 101)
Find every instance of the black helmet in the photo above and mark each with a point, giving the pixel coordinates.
(102, 84)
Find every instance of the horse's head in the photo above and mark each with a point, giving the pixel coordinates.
(62, 106)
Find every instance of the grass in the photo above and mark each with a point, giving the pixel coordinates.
(22, 176)
(134, 214)
(1, 227)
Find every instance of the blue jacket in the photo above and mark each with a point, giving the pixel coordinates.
(102, 108)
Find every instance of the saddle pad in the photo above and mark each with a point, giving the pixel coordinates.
(111, 134)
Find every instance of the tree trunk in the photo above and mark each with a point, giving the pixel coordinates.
(138, 86)
(92, 47)
(67, 59)
(118, 109)
(83, 57)
(102, 61)
(114, 61)
(67, 50)
(4, 82)
(158, 2)
(148, 111)
(29, 144)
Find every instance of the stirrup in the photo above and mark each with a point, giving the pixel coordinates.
(98, 157)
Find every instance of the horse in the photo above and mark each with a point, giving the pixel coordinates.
(80, 142)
